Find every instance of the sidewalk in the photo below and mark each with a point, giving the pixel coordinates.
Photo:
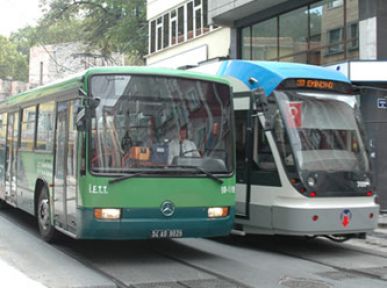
(10, 278)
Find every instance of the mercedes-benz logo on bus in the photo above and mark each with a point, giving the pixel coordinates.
(167, 208)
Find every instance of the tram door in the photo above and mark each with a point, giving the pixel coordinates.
(65, 167)
(257, 175)
(12, 139)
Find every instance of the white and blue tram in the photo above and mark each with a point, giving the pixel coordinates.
(302, 165)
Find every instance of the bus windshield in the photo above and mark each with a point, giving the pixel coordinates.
(323, 139)
(160, 124)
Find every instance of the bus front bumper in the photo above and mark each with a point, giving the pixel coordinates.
(145, 224)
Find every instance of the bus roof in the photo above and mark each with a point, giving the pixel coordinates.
(268, 74)
(80, 80)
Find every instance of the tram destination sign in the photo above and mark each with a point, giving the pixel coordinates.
(320, 84)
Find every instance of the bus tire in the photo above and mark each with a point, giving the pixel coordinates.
(3, 204)
(46, 229)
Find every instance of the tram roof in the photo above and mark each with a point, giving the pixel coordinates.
(77, 80)
(268, 74)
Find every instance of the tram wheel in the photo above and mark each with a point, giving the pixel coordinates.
(46, 230)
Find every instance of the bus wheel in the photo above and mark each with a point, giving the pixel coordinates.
(47, 231)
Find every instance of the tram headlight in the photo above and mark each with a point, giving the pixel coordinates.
(107, 214)
(215, 212)
(311, 181)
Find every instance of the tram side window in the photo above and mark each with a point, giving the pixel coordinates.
(46, 124)
(28, 129)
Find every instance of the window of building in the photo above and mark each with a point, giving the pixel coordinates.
(265, 40)
(198, 19)
(246, 43)
(335, 39)
(28, 128)
(159, 27)
(293, 34)
(173, 28)
(152, 32)
(311, 34)
(166, 31)
(179, 24)
(206, 27)
(334, 3)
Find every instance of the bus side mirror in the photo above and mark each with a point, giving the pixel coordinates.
(90, 105)
(81, 117)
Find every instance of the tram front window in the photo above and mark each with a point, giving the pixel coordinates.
(318, 135)
(139, 125)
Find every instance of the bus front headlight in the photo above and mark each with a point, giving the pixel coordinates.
(215, 212)
(107, 214)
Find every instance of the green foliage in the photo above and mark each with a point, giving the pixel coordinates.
(109, 26)
(12, 63)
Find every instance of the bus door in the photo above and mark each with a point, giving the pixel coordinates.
(65, 167)
(12, 141)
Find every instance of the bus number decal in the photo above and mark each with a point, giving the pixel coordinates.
(227, 189)
(97, 189)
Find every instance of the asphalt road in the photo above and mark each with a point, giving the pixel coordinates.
(190, 263)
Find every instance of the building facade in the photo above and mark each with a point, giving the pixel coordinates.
(52, 62)
(180, 34)
(10, 87)
(345, 35)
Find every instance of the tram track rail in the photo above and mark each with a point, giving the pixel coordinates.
(363, 250)
(75, 250)
(71, 248)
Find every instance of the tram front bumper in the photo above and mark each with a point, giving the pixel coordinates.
(324, 221)
(145, 224)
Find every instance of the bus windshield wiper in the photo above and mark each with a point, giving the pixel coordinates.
(119, 179)
(208, 174)
(140, 173)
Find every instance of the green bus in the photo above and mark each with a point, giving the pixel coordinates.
(122, 153)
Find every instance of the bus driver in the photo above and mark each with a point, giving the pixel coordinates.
(182, 147)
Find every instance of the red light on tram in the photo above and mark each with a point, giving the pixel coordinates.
(302, 190)
(315, 218)
(370, 193)
(312, 194)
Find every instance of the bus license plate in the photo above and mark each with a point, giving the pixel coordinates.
(167, 233)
